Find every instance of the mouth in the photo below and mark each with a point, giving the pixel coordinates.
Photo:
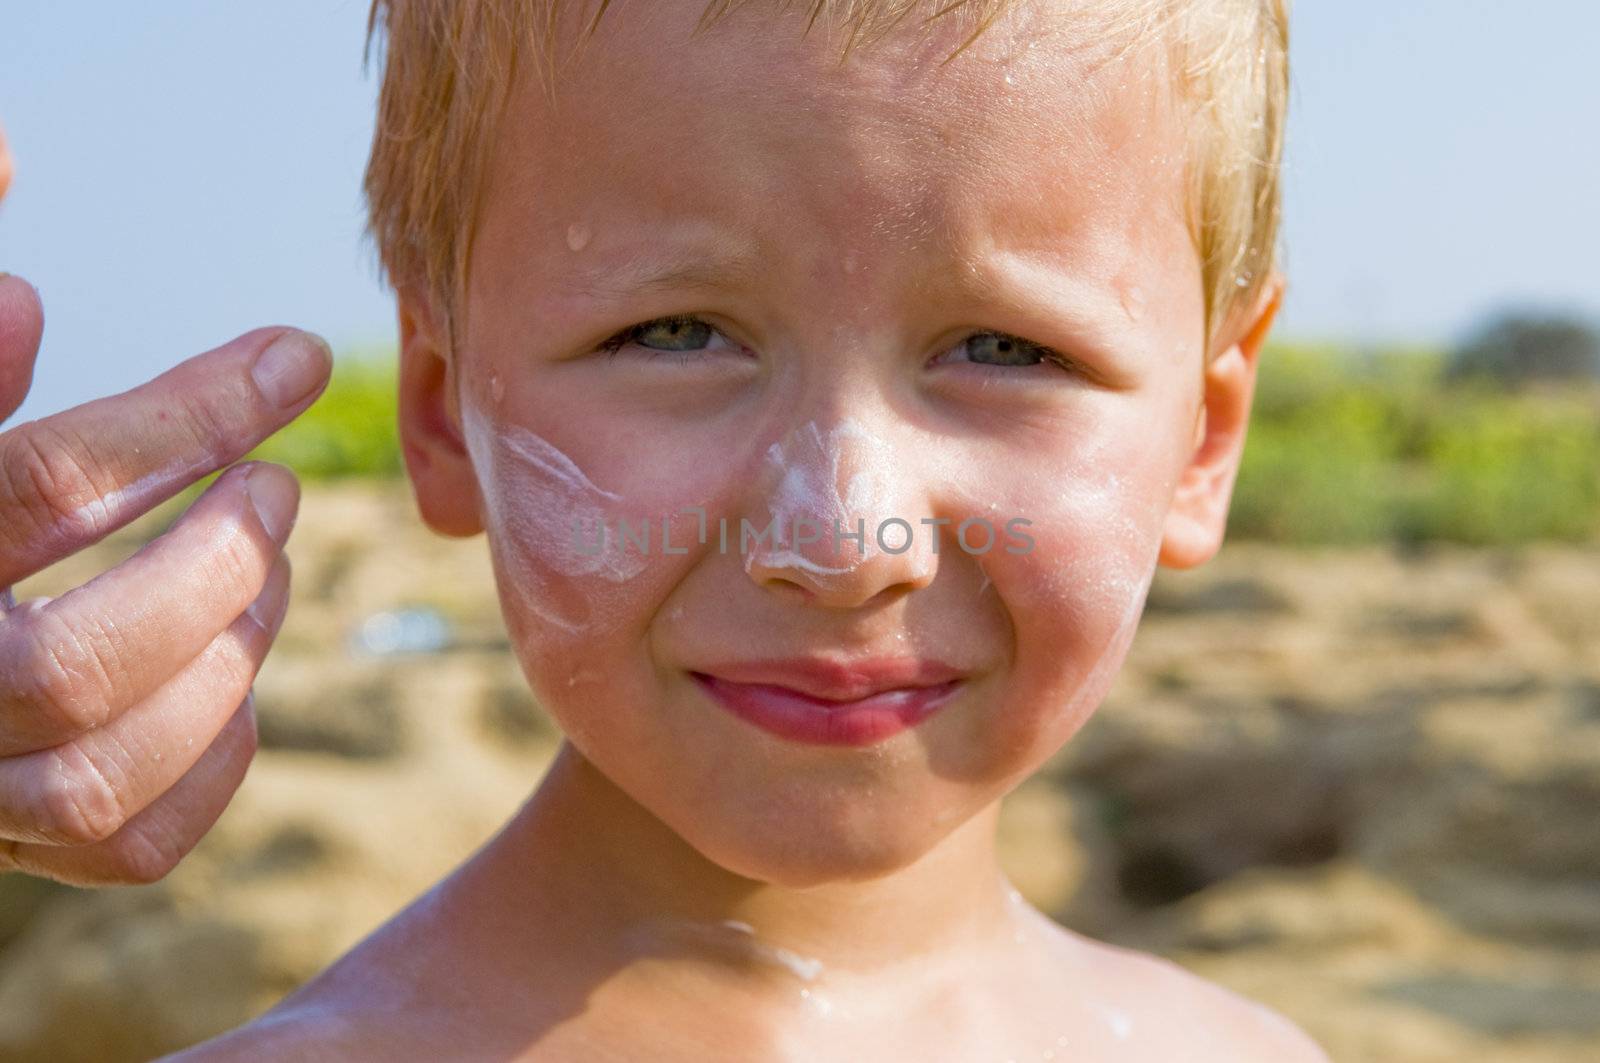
(822, 702)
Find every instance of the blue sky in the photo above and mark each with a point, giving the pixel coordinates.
(189, 170)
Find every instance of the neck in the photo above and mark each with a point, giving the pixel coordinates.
(623, 883)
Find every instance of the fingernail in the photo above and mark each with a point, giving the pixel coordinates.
(266, 610)
(259, 613)
(275, 495)
(292, 367)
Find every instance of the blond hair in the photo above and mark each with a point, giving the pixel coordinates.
(449, 64)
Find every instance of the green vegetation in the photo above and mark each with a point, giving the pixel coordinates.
(1341, 449)
(1387, 448)
(350, 430)
(1517, 348)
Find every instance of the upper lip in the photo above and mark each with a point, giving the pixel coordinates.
(835, 679)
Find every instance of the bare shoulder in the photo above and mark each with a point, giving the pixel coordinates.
(1246, 1028)
(366, 1005)
(308, 1033)
(351, 1010)
(1201, 1019)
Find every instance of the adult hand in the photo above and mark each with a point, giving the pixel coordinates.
(126, 721)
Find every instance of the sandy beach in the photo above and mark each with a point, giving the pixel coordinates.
(1359, 785)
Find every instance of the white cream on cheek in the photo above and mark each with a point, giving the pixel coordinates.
(543, 508)
(1116, 561)
(1075, 600)
(1096, 534)
(1096, 520)
(1096, 537)
(544, 504)
(1092, 566)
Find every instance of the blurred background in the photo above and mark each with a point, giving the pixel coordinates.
(1352, 767)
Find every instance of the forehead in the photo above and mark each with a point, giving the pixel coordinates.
(756, 139)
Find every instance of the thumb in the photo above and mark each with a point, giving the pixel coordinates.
(21, 326)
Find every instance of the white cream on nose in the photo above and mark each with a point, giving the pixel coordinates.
(831, 480)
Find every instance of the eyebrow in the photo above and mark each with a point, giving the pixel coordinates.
(1018, 282)
(1028, 282)
(1088, 314)
(648, 276)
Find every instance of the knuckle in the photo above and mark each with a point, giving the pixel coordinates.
(77, 802)
(49, 487)
(237, 561)
(231, 662)
(206, 420)
(49, 676)
(239, 667)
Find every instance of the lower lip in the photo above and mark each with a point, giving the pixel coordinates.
(799, 717)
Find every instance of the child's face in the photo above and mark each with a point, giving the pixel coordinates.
(851, 239)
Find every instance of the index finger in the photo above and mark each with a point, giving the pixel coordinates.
(70, 479)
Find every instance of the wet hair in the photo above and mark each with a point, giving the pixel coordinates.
(448, 66)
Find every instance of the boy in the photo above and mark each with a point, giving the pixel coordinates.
(829, 384)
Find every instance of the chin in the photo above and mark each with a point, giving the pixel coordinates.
(808, 862)
(799, 846)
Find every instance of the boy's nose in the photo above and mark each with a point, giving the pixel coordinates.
(843, 512)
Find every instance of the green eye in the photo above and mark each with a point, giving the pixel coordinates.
(674, 334)
(999, 349)
(678, 334)
(1004, 353)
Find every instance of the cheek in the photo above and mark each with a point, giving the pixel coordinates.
(1074, 598)
(582, 567)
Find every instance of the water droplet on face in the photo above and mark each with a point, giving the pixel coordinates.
(578, 236)
(1010, 80)
(497, 388)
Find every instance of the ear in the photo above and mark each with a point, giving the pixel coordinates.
(442, 478)
(1198, 515)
